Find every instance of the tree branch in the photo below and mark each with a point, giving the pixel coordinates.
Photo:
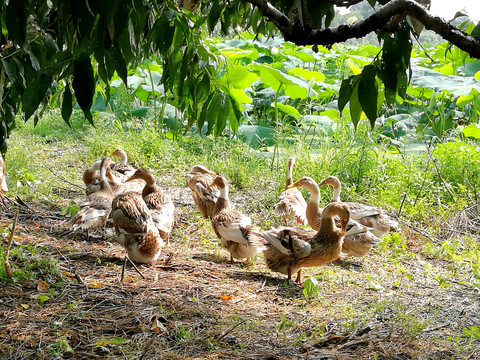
(344, 3)
(378, 21)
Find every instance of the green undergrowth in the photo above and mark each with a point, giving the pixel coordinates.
(42, 160)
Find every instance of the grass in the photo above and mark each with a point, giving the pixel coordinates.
(413, 295)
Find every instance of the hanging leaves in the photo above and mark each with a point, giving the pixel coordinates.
(83, 84)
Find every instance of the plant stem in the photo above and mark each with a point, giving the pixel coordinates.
(8, 270)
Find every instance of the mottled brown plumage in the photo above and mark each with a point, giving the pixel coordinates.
(94, 211)
(358, 240)
(135, 229)
(199, 180)
(288, 250)
(122, 170)
(231, 226)
(291, 202)
(377, 219)
(160, 205)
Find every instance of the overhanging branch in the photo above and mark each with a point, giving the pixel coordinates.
(378, 21)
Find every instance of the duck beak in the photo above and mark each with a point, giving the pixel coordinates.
(133, 177)
(211, 173)
(294, 185)
(322, 183)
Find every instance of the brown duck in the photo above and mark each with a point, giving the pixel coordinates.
(231, 226)
(199, 180)
(288, 250)
(377, 219)
(94, 211)
(358, 240)
(291, 203)
(160, 205)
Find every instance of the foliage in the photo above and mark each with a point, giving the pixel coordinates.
(61, 53)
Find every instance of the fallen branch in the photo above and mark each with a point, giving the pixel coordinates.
(6, 264)
(230, 330)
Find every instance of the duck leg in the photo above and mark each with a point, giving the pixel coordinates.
(299, 275)
(231, 261)
(134, 266)
(285, 220)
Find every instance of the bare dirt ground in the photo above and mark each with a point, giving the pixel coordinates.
(193, 305)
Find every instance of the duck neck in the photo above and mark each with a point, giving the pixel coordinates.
(289, 174)
(123, 158)
(336, 193)
(222, 202)
(104, 185)
(150, 186)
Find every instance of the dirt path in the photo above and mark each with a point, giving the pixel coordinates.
(192, 305)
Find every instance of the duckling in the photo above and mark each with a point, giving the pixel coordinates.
(94, 211)
(123, 170)
(288, 250)
(291, 202)
(199, 180)
(231, 226)
(358, 240)
(377, 219)
(160, 205)
(135, 229)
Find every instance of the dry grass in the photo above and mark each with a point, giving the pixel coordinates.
(395, 303)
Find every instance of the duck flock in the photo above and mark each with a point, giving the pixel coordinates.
(143, 217)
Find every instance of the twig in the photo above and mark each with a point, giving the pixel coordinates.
(149, 345)
(8, 270)
(64, 180)
(401, 205)
(351, 343)
(431, 238)
(436, 327)
(315, 342)
(230, 330)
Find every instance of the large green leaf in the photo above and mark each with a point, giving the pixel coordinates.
(67, 104)
(84, 84)
(308, 74)
(355, 107)
(368, 93)
(238, 77)
(289, 110)
(256, 136)
(35, 92)
(346, 90)
(294, 87)
(472, 130)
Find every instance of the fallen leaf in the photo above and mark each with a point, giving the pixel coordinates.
(42, 285)
(95, 284)
(113, 341)
(25, 306)
(158, 327)
(225, 297)
(66, 273)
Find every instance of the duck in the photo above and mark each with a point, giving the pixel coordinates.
(94, 211)
(231, 226)
(92, 173)
(160, 204)
(3, 182)
(120, 187)
(287, 250)
(135, 229)
(373, 217)
(358, 241)
(123, 170)
(199, 180)
(291, 203)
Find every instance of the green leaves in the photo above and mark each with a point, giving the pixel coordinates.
(84, 84)
(36, 91)
(362, 93)
(368, 93)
